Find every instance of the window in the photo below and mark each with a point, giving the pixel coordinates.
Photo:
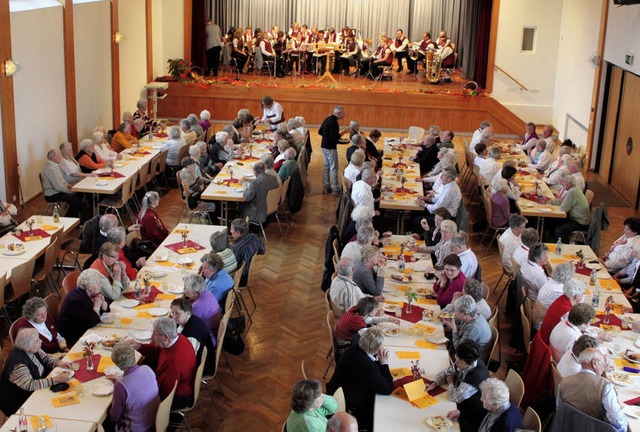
(529, 39)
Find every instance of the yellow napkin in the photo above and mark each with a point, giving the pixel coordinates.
(72, 386)
(609, 284)
(556, 261)
(403, 288)
(35, 421)
(400, 372)
(235, 185)
(165, 263)
(219, 192)
(551, 247)
(609, 328)
(415, 389)
(182, 231)
(144, 315)
(425, 328)
(145, 306)
(126, 321)
(393, 302)
(408, 355)
(400, 394)
(65, 400)
(147, 148)
(188, 250)
(425, 401)
(47, 227)
(166, 297)
(622, 363)
(104, 363)
(107, 178)
(32, 238)
(427, 345)
(426, 301)
(75, 356)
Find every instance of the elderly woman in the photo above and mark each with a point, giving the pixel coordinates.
(363, 372)
(310, 407)
(192, 183)
(356, 320)
(282, 145)
(500, 205)
(442, 249)
(464, 377)
(69, 165)
(450, 280)
(502, 416)
(25, 371)
(117, 236)
(151, 226)
(88, 160)
(123, 139)
(472, 288)
(82, 307)
(195, 153)
(110, 267)
(195, 126)
(360, 216)
(220, 150)
(356, 164)
(289, 166)
(298, 138)
(34, 315)
(193, 328)
(102, 148)
(369, 271)
(433, 234)
(550, 291)
(173, 145)
(220, 245)
(269, 169)
(620, 253)
(135, 394)
(203, 302)
(205, 117)
(218, 281)
(467, 324)
(365, 237)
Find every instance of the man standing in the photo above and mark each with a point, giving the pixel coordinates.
(214, 47)
(330, 132)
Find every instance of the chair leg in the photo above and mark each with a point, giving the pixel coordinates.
(329, 364)
(503, 290)
(498, 283)
(253, 300)
(184, 417)
(279, 225)
(243, 307)
(226, 360)
(263, 233)
(202, 412)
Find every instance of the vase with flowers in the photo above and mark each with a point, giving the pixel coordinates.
(180, 69)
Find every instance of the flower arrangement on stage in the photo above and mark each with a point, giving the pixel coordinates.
(180, 69)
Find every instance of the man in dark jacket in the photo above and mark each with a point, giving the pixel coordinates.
(427, 157)
(330, 132)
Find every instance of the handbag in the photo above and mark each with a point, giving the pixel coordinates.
(233, 343)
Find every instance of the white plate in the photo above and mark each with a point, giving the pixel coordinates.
(445, 426)
(13, 253)
(631, 411)
(118, 165)
(593, 266)
(157, 273)
(638, 343)
(438, 340)
(158, 312)
(143, 335)
(91, 338)
(69, 372)
(545, 209)
(185, 260)
(102, 183)
(618, 378)
(630, 359)
(161, 258)
(391, 308)
(102, 389)
(129, 303)
(114, 371)
(106, 318)
(391, 331)
(175, 289)
(420, 268)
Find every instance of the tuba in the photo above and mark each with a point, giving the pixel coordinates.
(433, 63)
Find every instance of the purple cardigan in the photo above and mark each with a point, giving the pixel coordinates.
(444, 296)
(499, 210)
(207, 309)
(135, 401)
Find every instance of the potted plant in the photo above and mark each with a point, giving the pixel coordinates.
(580, 255)
(416, 370)
(411, 297)
(179, 69)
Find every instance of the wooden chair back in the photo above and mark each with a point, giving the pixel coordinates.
(494, 317)
(331, 324)
(336, 248)
(131, 236)
(21, 280)
(230, 300)
(531, 420)
(69, 282)
(273, 200)
(416, 132)
(143, 176)
(516, 387)
(526, 328)
(53, 306)
(557, 377)
(589, 196)
(162, 162)
(494, 342)
(3, 285)
(13, 330)
(222, 331)
(153, 168)
(284, 191)
(339, 395)
(303, 369)
(164, 410)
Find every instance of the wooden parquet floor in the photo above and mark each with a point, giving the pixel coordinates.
(290, 320)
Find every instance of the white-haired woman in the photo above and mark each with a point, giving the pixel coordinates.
(298, 137)
(69, 165)
(34, 315)
(442, 249)
(205, 117)
(204, 303)
(25, 371)
(221, 151)
(282, 145)
(360, 216)
(195, 126)
(550, 291)
(503, 416)
(151, 226)
(500, 204)
(88, 159)
(173, 145)
(102, 147)
(123, 139)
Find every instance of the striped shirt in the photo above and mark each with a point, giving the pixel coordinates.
(21, 376)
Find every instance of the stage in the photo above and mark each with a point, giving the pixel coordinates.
(389, 104)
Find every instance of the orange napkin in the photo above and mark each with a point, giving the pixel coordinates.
(75, 356)
(145, 306)
(35, 421)
(144, 315)
(65, 400)
(182, 231)
(400, 372)
(107, 178)
(426, 301)
(126, 321)
(47, 227)
(409, 355)
(166, 297)
(165, 263)
(427, 345)
(622, 363)
(188, 250)
(425, 328)
(609, 284)
(104, 363)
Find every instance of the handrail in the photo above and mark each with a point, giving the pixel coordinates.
(512, 78)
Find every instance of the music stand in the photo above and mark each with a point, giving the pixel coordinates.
(237, 67)
(369, 73)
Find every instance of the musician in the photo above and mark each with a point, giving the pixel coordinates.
(344, 34)
(366, 63)
(306, 34)
(446, 52)
(425, 44)
(280, 47)
(266, 49)
(273, 113)
(331, 36)
(272, 35)
(295, 53)
(238, 50)
(248, 37)
(400, 44)
(294, 30)
(384, 59)
(320, 56)
(350, 54)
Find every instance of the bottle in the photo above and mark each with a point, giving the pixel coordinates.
(42, 426)
(596, 298)
(22, 421)
(593, 277)
(56, 213)
(559, 247)
(401, 263)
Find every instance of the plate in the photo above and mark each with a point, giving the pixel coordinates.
(391, 308)
(129, 303)
(420, 268)
(439, 423)
(185, 260)
(626, 356)
(175, 289)
(631, 411)
(391, 331)
(107, 318)
(545, 209)
(620, 378)
(161, 258)
(157, 273)
(425, 292)
(114, 371)
(8, 252)
(69, 372)
(401, 277)
(102, 183)
(143, 335)
(638, 343)
(439, 340)
(118, 165)
(102, 389)
(445, 315)
(158, 312)
(593, 266)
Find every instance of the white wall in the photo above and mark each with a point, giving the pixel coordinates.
(3, 192)
(92, 33)
(536, 71)
(41, 117)
(623, 35)
(133, 57)
(172, 33)
(575, 73)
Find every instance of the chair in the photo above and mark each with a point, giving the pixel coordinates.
(3, 308)
(569, 418)
(505, 272)
(202, 209)
(557, 378)
(589, 196)
(164, 410)
(21, 280)
(162, 165)
(526, 328)
(153, 171)
(516, 387)
(339, 395)
(336, 248)
(53, 306)
(494, 343)
(115, 203)
(128, 240)
(196, 392)
(230, 300)
(44, 275)
(283, 204)
(222, 331)
(273, 201)
(416, 133)
(595, 224)
(141, 182)
(387, 71)
(256, 258)
(528, 308)
(331, 355)
(303, 369)
(69, 282)
(302, 166)
(531, 420)
(51, 204)
(486, 202)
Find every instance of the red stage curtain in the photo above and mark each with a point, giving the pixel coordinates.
(483, 31)
(198, 34)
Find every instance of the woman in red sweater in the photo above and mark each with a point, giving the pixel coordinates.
(450, 280)
(357, 319)
(151, 226)
(34, 315)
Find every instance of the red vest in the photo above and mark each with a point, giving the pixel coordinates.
(424, 45)
(450, 61)
(240, 44)
(267, 45)
(399, 41)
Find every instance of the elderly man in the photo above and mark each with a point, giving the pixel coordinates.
(532, 272)
(357, 142)
(364, 237)
(54, 186)
(555, 176)
(460, 247)
(477, 134)
(573, 294)
(547, 135)
(566, 332)
(344, 292)
(511, 239)
(255, 193)
(70, 166)
(190, 136)
(521, 254)
(449, 196)
(569, 364)
(590, 393)
(491, 166)
(530, 138)
(342, 422)
(330, 133)
(289, 166)
(575, 205)
(362, 195)
(82, 307)
(540, 157)
(173, 358)
(427, 157)
(467, 324)
(486, 137)
(245, 246)
(267, 160)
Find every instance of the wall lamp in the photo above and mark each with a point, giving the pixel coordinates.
(11, 68)
(118, 37)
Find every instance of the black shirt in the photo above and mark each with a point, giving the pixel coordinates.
(330, 132)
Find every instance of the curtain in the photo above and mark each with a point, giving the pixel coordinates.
(198, 34)
(483, 30)
(435, 16)
(373, 17)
